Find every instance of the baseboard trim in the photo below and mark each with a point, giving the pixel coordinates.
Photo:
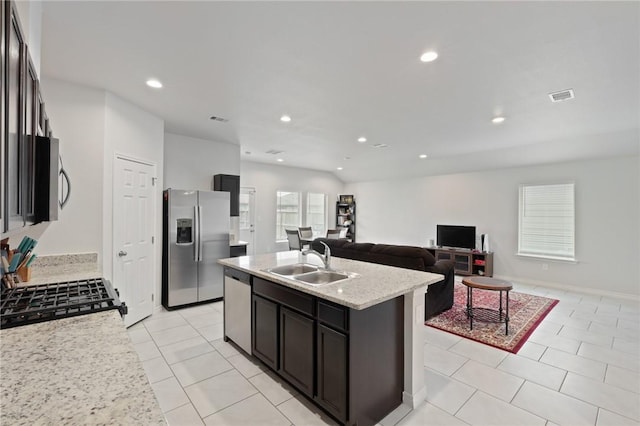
(414, 401)
(573, 288)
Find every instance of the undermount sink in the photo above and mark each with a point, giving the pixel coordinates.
(308, 274)
(295, 269)
(321, 277)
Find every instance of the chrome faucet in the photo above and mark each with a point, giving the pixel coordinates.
(326, 258)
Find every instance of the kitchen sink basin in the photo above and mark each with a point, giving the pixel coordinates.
(321, 277)
(295, 269)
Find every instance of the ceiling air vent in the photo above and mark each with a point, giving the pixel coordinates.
(563, 95)
(273, 152)
(220, 119)
(380, 145)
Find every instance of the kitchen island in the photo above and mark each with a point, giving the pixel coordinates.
(354, 347)
(74, 371)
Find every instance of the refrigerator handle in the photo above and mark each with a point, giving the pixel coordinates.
(199, 239)
(196, 230)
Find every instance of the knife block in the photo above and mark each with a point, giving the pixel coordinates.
(24, 273)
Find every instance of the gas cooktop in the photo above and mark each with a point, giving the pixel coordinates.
(46, 302)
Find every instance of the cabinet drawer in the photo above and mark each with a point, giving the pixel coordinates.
(286, 296)
(332, 315)
(237, 251)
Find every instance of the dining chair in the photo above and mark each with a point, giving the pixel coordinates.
(333, 234)
(306, 233)
(294, 239)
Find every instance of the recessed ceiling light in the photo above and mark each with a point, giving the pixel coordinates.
(423, 156)
(152, 82)
(285, 118)
(339, 168)
(497, 120)
(429, 56)
(280, 160)
(362, 139)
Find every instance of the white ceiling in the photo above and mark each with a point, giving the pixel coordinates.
(343, 70)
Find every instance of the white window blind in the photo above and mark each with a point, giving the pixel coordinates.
(547, 221)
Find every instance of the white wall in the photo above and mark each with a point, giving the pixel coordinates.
(190, 163)
(78, 121)
(267, 180)
(607, 219)
(137, 134)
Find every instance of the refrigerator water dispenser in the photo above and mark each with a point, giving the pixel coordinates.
(184, 234)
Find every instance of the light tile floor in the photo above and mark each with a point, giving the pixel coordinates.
(580, 367)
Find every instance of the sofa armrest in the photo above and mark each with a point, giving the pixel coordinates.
(444, 267)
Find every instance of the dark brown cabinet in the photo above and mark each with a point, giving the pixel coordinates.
(332, 371)
(349, 362)
(297, 341)
(13, 137)
(231, 184)
(21, 121)
(237, 251)
(265, 331)
(467, 262)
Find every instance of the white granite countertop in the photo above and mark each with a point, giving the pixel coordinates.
(373, 284)
(74, 371)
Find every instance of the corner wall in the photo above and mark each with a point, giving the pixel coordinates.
(406, 211)
(134, 133)
(190, 163)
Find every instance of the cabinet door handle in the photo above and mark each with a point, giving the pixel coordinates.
(65, 176)
(122, 253)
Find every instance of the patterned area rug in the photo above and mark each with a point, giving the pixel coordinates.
(526, 312)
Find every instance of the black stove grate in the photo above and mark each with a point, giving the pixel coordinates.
(32, 304)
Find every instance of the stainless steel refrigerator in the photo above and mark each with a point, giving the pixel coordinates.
(195, 236)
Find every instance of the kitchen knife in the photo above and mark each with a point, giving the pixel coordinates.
(15, 260)
(30, 261)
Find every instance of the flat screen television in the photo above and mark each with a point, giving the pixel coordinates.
(455, 236)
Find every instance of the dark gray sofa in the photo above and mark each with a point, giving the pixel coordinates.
(439, 296)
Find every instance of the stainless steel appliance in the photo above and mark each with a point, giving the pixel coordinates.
(46, 302)
(195, 236)
(237, 308)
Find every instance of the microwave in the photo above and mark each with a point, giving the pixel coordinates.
(46, 179)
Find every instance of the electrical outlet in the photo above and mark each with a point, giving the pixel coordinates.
(545, 266)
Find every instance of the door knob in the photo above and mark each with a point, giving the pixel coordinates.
(122, 253)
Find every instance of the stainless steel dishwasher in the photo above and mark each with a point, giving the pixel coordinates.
(237, 308)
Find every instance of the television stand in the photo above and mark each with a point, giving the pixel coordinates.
(467, 261)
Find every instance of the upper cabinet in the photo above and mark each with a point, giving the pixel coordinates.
(22, 119)
(229, 183)
(13, 77)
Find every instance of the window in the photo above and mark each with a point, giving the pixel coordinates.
(547, 221)
(294, 209)
(287, 212)
(316, 208)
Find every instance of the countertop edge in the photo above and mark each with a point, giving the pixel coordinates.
(426, 278)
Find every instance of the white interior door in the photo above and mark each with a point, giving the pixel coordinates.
(248, 218)
(134, 213)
